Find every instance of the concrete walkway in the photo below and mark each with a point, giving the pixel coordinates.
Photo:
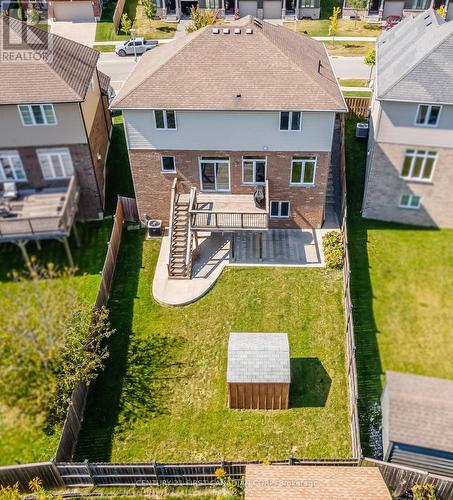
(345, 38)
(281, 248)
(356, 89)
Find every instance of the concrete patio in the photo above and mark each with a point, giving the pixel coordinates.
(281, 247)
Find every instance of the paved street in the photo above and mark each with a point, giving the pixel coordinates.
(350, 67)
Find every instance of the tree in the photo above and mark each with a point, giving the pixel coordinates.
(149, 9)
(51, 343)
(357, 5)
(126, 24)
(333, 25)
(201, 18)
(442, 11)
(370, 60)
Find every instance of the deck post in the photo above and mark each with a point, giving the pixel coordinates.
(68, 251)
(261, 245)
(22, 246)
(232, 246)
(76, 234)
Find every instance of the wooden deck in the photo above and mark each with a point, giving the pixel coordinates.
(41, 215)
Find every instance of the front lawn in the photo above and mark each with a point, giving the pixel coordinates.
(23, 439)
(150, 29)
(401, 285)
(346, 27)
(163, 392)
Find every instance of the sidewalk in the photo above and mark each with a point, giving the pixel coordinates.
(345, 38)
(356, 89)
(114, 42)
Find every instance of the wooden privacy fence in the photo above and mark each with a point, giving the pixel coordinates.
(126, 209)
(400, 479)
(23, 474)
(117, 15)
(358, 106)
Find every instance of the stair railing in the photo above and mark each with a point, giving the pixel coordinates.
(189, 248)
(172, 214)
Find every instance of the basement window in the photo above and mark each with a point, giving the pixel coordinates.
(168, 164)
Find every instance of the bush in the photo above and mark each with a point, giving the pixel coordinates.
(333, 249)
(201, 18)
(149, 9)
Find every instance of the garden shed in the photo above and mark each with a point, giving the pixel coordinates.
(258, 373)
(417, 422)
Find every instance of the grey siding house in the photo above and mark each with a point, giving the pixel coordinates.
(409, 175)
(417, 422)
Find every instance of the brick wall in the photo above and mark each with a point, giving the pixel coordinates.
(99, 145)
(153, 188)
(385, 187)
(90, 203)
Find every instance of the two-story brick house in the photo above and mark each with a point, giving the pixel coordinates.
(410, 150)
(227, 109)
(54, 116)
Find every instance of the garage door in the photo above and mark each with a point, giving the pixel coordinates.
(393, 9)
(247, 8)
(272, 9)
(73, 11)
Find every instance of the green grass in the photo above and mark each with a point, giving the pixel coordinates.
(401, 283)
(345, 27)
(356, 93)
(349, 49)
(151, 29)
(163, 392)
(353, 83)
(104, 48)
(22, 439)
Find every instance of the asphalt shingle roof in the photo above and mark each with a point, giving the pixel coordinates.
(43, 67)
(272, 69)
(415, 60)
(420, 411)
(258, 358)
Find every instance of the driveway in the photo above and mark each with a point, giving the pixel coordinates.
(82, 32)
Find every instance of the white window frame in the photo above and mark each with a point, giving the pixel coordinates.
(216, 190)
(53, 152)
(414, 156)
(290, 119)
(279, 209)
(164, 113)
(428, 114)
(302, 172)
(254, 160)
(162, 164)
(9, 155)
(409, 206)
(34, 124)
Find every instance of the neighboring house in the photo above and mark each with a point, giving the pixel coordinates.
(382, 9)
(227, 109)
(262, 9)
(77, 10)
(417, 422)
(410, 149)
(54, 117)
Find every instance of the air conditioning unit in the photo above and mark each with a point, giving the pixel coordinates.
(361, 130)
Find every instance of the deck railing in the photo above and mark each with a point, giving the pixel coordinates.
(58, 225)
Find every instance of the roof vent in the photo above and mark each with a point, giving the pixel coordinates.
(215, 31)
(237, 31)
(226, 31)
(249, 31)
(238, 95)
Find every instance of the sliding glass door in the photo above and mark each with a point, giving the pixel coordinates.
(215, 174)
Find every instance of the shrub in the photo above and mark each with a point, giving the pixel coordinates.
(149, 9)
(126, 24)
(201, 18)
(424, 492)
(333, 249)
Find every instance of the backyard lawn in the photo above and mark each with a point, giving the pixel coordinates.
(150, 29)
(163, 393)
(346, 27)
(402, 281)
(22, 439)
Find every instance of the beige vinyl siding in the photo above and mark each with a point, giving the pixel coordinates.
(90, 105)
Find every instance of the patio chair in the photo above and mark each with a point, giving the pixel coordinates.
(9, 191)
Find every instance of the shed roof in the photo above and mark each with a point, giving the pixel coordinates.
(258, 358)
(415, 60)
(40, 67)
(273, 68)
(420, 410)
(283, 482)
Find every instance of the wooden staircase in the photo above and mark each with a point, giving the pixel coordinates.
(180, 260)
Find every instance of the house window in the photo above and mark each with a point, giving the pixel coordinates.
(410, 201)
(55, 163)
(165, 119)
(215, 174)
(37, 114)
(168, 164)
(428, 115)
(303, 170)
(279, 209)
(418, 164)
(253, 170)
(11, 168)
(290, 120)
